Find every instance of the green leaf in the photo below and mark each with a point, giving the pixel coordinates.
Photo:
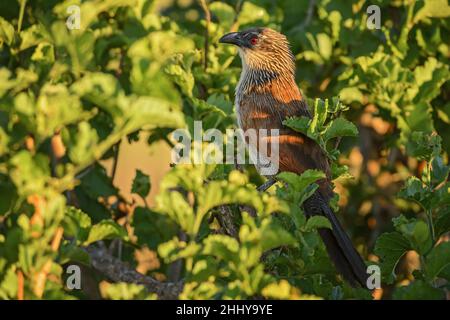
(281, 290)
(97, 183)
(179, 69)
(103, 90)
(253, 14)
(416, 231)
(442, 195)
(317, 222)
(29, 173)
(325, 45)
(141, 184)
(175, 249)
(320, 115)
(204, 269)
(414, 189)
(442, 223)
(340, 171)
(300, 182)
(72, 253)
(174, 205)
(152, 228)
(6, 32)
(9, 284)
(33, 36)
(390, 247)
(6, 83)
(76, 223)
(8, 196)
(150, 113)
(340, 127)
(433, 9)
(224, 12)
(423, 146)
(222, 247)
(105, 229)
(222, 102)
(351, 94)
(81, 143)
(204, 108)
(126, 291)
(78, 46)
(430, 77)
(55, 108)
(439, 171)
(300, 124)
(274, 235)
(437, 260)
(418, 290)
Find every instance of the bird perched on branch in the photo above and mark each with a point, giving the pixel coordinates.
(266, 95)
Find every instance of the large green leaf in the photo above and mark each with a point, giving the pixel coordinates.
(390, 247)
(437, 260)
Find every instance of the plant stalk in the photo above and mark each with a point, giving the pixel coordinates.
(21, 13)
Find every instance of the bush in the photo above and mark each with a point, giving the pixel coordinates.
(69, 98)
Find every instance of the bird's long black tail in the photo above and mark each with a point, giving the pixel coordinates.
(346, 259)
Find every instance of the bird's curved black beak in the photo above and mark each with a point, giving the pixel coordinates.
(232, 38)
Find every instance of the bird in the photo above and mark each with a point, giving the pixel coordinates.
(266, 95)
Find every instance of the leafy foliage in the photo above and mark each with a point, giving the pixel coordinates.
(70, 98)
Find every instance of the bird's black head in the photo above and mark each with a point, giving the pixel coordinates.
(244, 39)
(262, 49)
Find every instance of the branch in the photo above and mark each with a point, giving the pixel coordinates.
(308, 18)
(115, 160)
(205, 9)
(237, 9)
(309, 13)
(226, 221)
(118, 271)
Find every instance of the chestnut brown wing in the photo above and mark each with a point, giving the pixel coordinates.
(297, 152)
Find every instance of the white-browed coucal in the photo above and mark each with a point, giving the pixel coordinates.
(265, 96)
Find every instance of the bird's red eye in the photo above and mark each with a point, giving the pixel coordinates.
(254, 40)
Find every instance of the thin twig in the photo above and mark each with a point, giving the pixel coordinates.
(175, 268)
(338, 139)
(204, 6)
(115, 160)
(21, 13)
(429, 212)
(238, 9)
(20, 285)
(308, 18)
(309, 13)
